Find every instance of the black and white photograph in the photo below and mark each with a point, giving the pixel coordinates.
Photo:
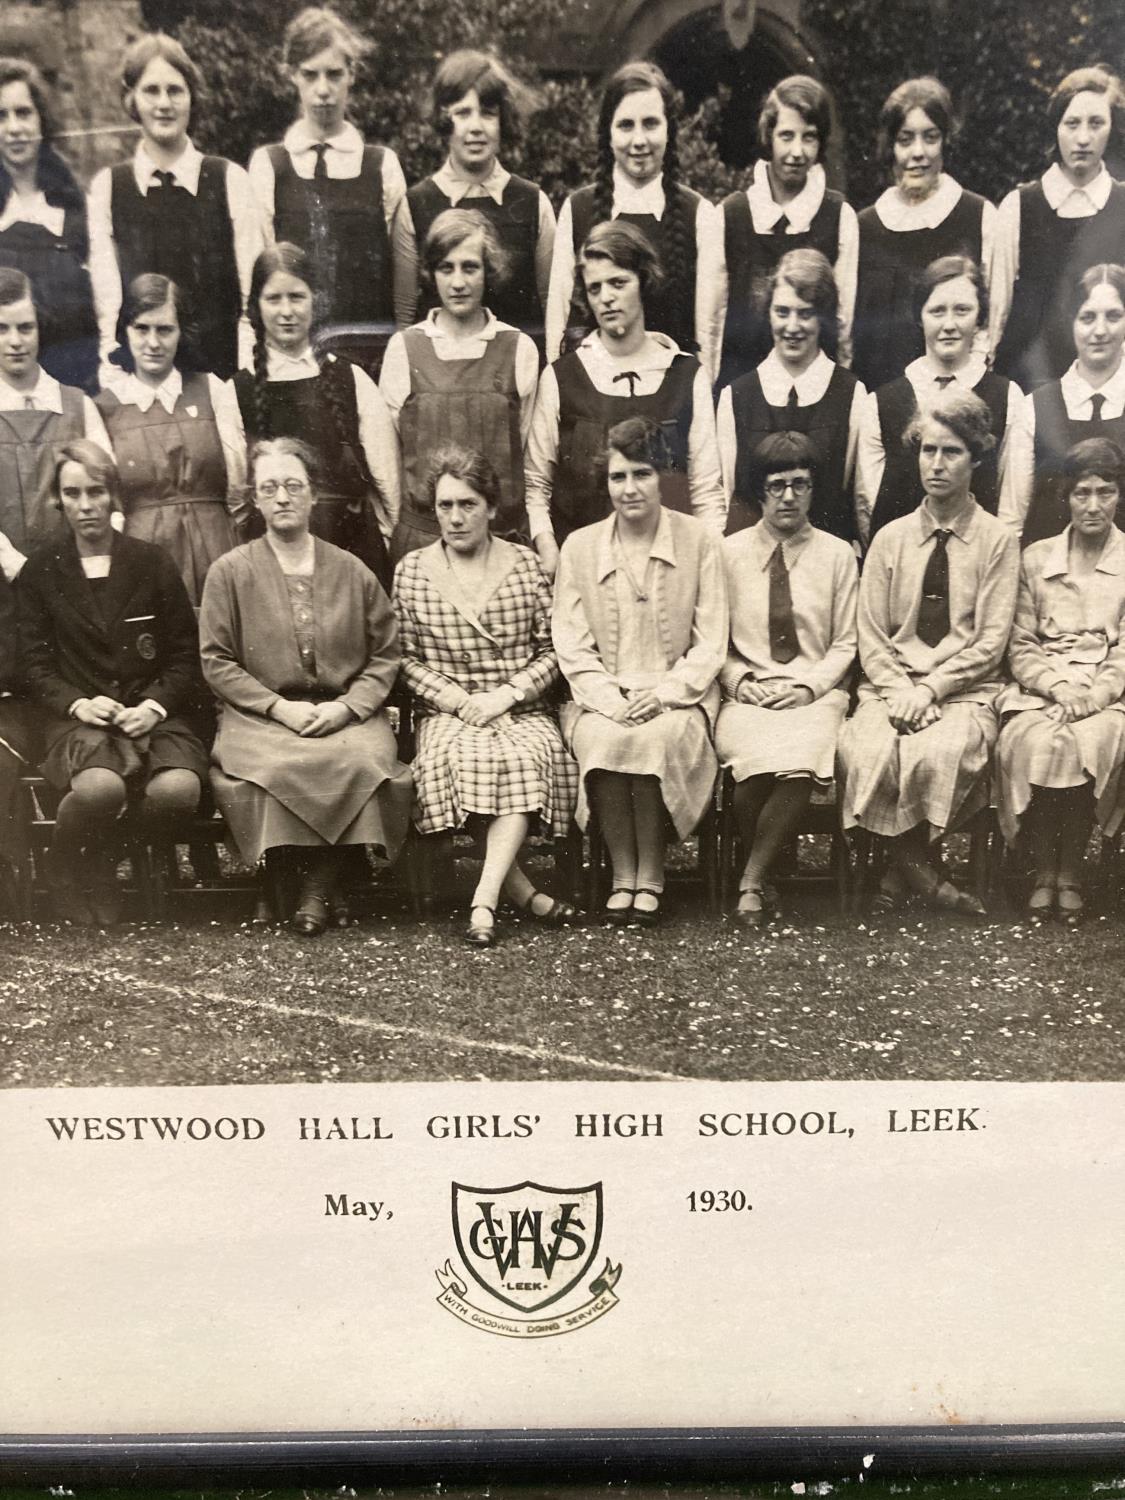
(565, 543)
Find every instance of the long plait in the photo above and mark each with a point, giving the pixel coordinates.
(335, 371)
(603, 183)
(679, 237)
(261, 383)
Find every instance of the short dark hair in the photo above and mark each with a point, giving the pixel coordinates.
(809, 98)
(625, 245)
(469, 466)
(927, 94)
(315, 29)
(143, 294)
(642, 440)
(15, 286)
(1094, 80)
(778, 452)
(965, 415)
(497, 88)
(145, 50)
(811, 276)
(1096, 455)
(447, 231)
(949, 268)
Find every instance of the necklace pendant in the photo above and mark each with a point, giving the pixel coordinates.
(642, 598)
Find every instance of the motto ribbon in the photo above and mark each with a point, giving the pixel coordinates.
(454, 1298)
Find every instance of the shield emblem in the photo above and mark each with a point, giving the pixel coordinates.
(527, 1245)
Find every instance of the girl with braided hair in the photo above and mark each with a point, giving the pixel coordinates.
(327, 402)
(638, 181)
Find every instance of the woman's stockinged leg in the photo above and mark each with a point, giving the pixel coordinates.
(780, 814)
(503, 840)
(1044, 831)
(1074, 811)
(649, 819)
(611, 797)
(94, 801)
(170, 796)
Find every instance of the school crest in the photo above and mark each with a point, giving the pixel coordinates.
(527, 1248)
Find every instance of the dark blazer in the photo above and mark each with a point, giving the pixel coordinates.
(135, 638)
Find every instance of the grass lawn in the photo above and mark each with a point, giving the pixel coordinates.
(208, 1000)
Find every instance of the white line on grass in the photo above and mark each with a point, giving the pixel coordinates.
(362, 1023)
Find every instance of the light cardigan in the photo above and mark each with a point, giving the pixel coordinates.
(688, 599)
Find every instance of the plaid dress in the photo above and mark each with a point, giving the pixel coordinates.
(516, 764)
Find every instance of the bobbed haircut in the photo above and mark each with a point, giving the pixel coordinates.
(964, 414)
(634, 78)
(146, 49)
(1105, 273)
(19, 70)
(641, 440)
(469, 466)
(14, 287)
(811, 276)
(93, 458)
(143, 294)
(1094, 80)
(927, 94)
(449, 229)
(1099, 456)
(949, 268)
(314, 30)
(776, 454)
(624, 245)
(284, 447)
(804, 94)
(497, 88)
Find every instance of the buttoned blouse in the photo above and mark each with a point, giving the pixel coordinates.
(1068, 627)
(983, 576)
(823, 585)
(687, 599)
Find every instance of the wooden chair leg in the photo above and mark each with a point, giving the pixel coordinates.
(980, 854)
(709, 855)
(729, 846)
(841, 871)
(568, 863)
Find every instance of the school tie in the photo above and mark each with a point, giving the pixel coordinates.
(941, 381)
(783, 632)
(632, 377)
(320, 170)
(933, 607)
(792, 407)
(165, 179)
(1097, 401)
(782, 225)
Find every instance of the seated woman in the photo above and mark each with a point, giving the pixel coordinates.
(461, 376)
(474, 611)
(935, 608)
(640, 626)
(951, 306)
(792, 645)
(1061, 751)
(798, 387)
(301, 707)
(19, 736)
(110, 651)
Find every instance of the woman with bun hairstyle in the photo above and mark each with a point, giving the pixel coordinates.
(1049, 232)
(479, 109)
(323, 187)
(922, 215)
(325, 401)
(43, 230)
(173, 211)
(638, 181)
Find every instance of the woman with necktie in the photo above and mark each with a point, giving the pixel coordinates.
(935, 610)
(1050, 231)
(1062, 748)
(640, 627)
(951, 306)
(798, 387)
(1088, 401)
(792, 590)
(326, 189)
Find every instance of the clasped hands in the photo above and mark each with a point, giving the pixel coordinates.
(1071, 704)
(479, 709)
(911, 709)
(103, 712)
(778, 692)
(311, 720)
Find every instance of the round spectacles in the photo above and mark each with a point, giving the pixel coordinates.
(775, 488)
(268, 488)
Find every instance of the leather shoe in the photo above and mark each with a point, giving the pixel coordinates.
(478, 935)
(311, 917)
(646, 916)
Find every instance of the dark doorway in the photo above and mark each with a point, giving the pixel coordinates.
(698, 57)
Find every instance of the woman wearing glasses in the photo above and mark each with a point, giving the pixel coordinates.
(302, 705)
